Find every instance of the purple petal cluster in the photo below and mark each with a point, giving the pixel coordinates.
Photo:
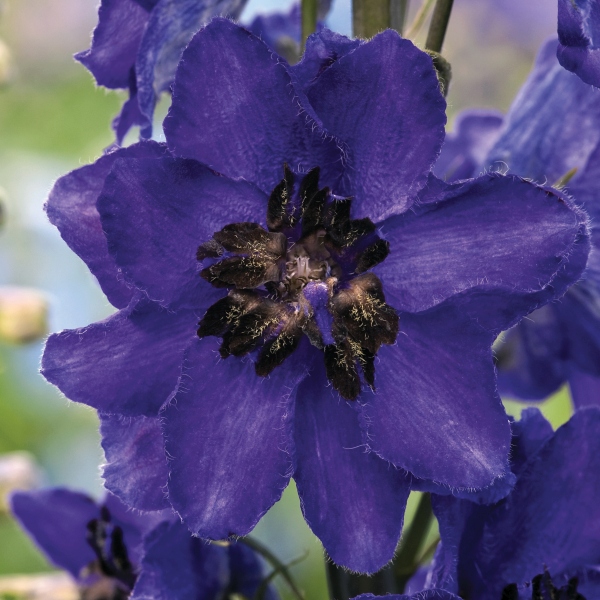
(455, 263)
(579, 38)
(114, 552)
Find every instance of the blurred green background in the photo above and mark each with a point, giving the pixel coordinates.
(53, 119)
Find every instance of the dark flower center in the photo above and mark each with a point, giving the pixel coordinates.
(542, 588)
(111, 576)
(305, 275)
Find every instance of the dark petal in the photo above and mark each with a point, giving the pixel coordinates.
(553, 512)
(466, 148)
(171, 26)
(127, 364)
(372, 256)
(56, 519)
(282, 345)
(352, 500)
(314, 211)
(251, 123)
(121, 24)
(228, 433)
(246, 238)
(136, 465)
(246, 572)
(222, 314)
(156, 214)
(71, 207)
(176, 565)
(436, 412)
(585, 389)
(280, 211)
(341, 369)
(383, 102)
(242, 272)
(130, 115)
(497, 231)
(436, 594)
(530, 433)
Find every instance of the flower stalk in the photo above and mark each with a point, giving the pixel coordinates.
(398, 13)
(309, 19)
(369, 17)
(438, 25)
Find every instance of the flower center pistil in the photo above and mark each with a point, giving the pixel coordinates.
(306, 274)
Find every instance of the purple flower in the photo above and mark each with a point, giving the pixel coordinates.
(579, 36)
(552, 128)
(313, 250)
(115, 553)
(545, 535)
(136, 46)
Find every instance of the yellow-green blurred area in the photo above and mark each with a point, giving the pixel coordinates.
(53, 119)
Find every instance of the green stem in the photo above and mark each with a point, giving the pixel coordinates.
(419, 19)
(261, 592)
(309, 19)
(344, 585)
(398, 12)
(369, 17)
(274, 562)
(406, 561)
(438, 25)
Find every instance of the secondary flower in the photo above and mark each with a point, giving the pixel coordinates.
(282, 217)
(136, 46)
(543, 139)
(544, 537)
(114, 553)
(579, 36)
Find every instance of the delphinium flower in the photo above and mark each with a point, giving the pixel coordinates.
(551, 131)
(114, 553)
(346, 301)
(543, 539)
(136, 46)
(579, 37)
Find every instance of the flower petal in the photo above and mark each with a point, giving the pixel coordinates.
(121, 24)
(250, 123)
(585, 389)
(156, 214)
(383, 102)
(496, 231)
(127, 364)
(56, 518)
(71, 207)
(228, 434)
(436, 412)
(352, 500)
(136, 465)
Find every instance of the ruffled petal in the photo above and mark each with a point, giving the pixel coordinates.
(465, 149)
(383, 102)
(494, 231)
(352, 500)
(436, 412)
(121, 24)
(128, 364)
(156, 214)
(176, 565)
(136, 465)
(56, 519)
(250, 122)
(71, 207)
(228, 436)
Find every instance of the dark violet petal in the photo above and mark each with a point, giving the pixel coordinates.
(465, 149)
(435, 411)
(424, 595)
(280, 31)
(131, 115)
(156, 214)
(498, 231)
(171, 26)
(71, 207)
(111, 58)
(589, 583)
(323, 49)
(56, 519)
(551, 520)
(228, 437)
(251, 121)
(383, 102)
(136, 465)
(352, 500)
(530, 433)
(176, 565)
(579, 35)
(246, 572)
(127, 364)
(585, 389)
(543, 137)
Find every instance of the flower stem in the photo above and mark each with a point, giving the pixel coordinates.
(344, 585)
(309, 19)
(369, 17)
(406, 561)
(398, 12)
(419, 19)
(438, 25)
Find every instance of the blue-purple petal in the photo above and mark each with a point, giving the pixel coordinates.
(585, 388)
